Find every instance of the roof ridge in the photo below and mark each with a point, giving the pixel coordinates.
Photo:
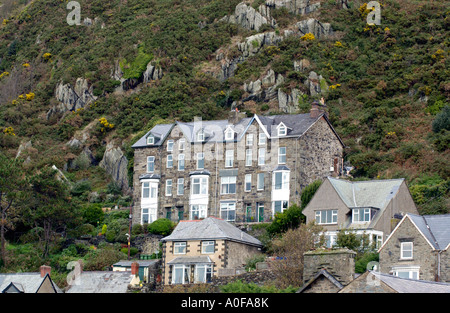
(431, 232)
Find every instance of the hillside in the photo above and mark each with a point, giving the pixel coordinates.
(78, 96)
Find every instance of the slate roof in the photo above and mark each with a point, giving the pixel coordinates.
(435, 228)
(101, 282)
(364, 194)
(190, 260)
(405, 285)
(210, 228)
(326, 274)
(297, 125)
(142, 263)
(25, 282)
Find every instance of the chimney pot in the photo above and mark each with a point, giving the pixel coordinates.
(45, 269)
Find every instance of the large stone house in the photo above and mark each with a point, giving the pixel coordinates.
(197, 250)
(244, 169)
(365, 207)
(418, 248)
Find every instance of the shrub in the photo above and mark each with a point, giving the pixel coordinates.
(238, 286)
(289, 219)
(250, 263)
(93, 214)
(309, 192)
(162, 226)
(442, 120)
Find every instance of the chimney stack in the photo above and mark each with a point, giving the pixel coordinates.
(135, 268)
(235, 116)
(45, 269)
(318, 108)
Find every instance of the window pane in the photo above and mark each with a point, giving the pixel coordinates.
(278, 180)
(260, 181)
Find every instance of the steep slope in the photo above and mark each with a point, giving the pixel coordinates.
(83, 93)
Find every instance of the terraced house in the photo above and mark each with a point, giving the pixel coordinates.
(243, 169)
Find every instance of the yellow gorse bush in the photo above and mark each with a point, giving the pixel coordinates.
(9, 131)
(308, 37)
(30, 96)
(106, 125)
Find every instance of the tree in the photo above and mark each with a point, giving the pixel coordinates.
(289, 249)
(50, 206)
(309, 192)
(12, 184)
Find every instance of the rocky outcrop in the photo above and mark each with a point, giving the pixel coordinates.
(295, 6)
(115, 164)
(71, 98)
(288, 103)
(250, 47)
(316, 84)
(150, 73)
(265, 89)
(313, 26)
(249, 18)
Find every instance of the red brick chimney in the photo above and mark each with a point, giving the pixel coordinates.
(135, 268)
(45, 269)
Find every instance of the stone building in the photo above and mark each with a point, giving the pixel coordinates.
(198, 250)
(418, 248)
(327, 271)
(370, 207)
(244, 169)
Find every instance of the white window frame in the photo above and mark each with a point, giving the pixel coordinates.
(168, 187)
(412, 272)
(403, 249)
(229, 134)
(283, 207)
(356, 215)
(207, 271)
(181, 162)
(229, 158)
(179, 247)
(282, 155)
(260, 180)
(227, 208)
(249, 139)
(181, 144)
(248, 157)
(261, 156)
(262, 139)
(150, 213)
(282, 130)
(202, 183)
(170, 145)
(208, 244)
(248, 183)
(284, 180)
(152, 190)
(200, 158)
(201, 136)
(226, 182)
(202, 210)
(318, 217)
(185, 273)
(169, 162)
(180, 184)
(151, 140)
(150, 162)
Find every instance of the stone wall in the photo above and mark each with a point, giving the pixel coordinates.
(339, 263)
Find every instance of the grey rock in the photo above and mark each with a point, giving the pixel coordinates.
(249, 18)
(313, 26)
(294, 6)
(115, 164)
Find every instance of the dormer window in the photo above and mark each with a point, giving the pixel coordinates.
(201, 136)
(151, 140)
(229, 134)
(282, 130)
(361, 215)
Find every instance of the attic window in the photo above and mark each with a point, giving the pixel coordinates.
(282, 130)
(151, 140)
(201, 136)
(229, 134)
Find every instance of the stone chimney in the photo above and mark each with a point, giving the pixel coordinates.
(235, 116)
(45, 269)
(317, 108)
(339, 262)
(135, 268)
